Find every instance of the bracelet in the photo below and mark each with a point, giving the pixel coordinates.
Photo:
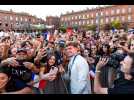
(97, 71)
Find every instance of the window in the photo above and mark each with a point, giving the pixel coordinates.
(101, 13)
(76, 23)
(96, 14)
(11, 18)
(79, 22)
(112, 19)
(5, 17)
(26, 19)
(129, 17)
(75, 17)
(107, 20)
(72, 23)
(106, 13)
(83, 22)
(92, 15)
(65, 19)
(83, 16)
(123, 10)
(87, 16)
(112, 12)
(33, 20)
(16, 18)
(123, 18)
(88, 22)
(117, 11)
(117, 18)
(79, 16)
(101, 21)
(21, 18)
(129, 10)
(96, 21)
(92, 22)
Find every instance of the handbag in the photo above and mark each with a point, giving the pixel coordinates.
(66, 76)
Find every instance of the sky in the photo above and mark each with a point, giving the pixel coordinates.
(41, 11)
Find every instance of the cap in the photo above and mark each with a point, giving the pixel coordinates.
(62, 43)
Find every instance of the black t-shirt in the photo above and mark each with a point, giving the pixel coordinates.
(20, 76)
(122, 86)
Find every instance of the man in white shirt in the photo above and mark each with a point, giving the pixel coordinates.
(79, 79)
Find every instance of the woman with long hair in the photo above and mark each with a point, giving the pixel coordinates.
(53, 83)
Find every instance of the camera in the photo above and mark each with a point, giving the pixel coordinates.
(115, 59)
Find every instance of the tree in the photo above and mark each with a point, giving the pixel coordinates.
(91, 27)
(116, 24)
(63, 29)
(75, 27)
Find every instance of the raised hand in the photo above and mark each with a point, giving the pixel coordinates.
(29, 65)
(11, 61)
(102, 62)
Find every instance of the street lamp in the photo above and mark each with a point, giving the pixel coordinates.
(98, 26)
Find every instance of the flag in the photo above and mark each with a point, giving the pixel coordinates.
(69, 31)
(48, 36)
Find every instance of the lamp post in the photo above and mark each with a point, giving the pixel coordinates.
(98, 26)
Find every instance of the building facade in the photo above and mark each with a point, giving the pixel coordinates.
(53, 21)
(10, 20)
(100, 15)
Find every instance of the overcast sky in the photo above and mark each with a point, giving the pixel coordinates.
(42, 11)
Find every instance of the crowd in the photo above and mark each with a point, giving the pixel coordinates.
(60, 63)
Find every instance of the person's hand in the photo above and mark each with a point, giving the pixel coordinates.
(11, 61)
(41, 53)
(48, 76)
(53, 70)
(102, 62)
(61, 69)
(29, 65)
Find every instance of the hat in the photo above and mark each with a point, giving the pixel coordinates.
(61, 43)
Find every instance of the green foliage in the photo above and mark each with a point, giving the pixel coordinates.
(116, 24)
(63, 29)
(91, 27)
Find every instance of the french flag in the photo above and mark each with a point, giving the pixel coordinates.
(46, 35)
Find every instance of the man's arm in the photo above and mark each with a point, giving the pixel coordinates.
(26, 90)
(98, 89)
